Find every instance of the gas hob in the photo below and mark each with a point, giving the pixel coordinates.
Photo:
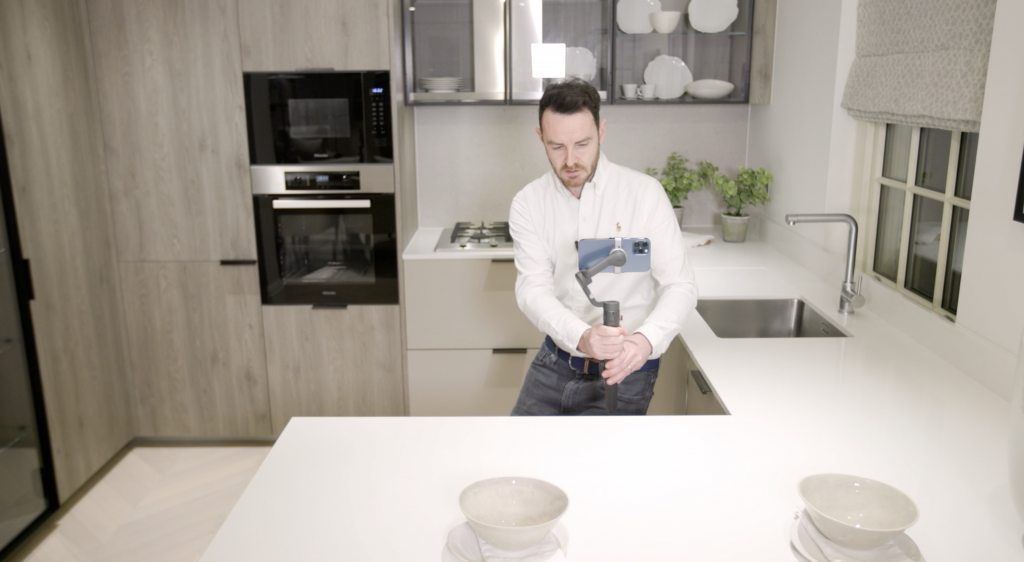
(468, 236)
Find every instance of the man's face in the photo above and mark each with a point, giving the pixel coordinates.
(573, 144)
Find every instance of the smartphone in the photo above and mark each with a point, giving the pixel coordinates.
(638, 252)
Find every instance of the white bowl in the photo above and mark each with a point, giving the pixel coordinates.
(856, 512)
(513, 513)
(709, 89)
(665, 22)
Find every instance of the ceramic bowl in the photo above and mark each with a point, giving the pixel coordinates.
(665, 22)
(856, 512)
(513, 513)
(708, 89)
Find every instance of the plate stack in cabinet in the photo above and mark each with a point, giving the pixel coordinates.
(724, 55)
(469, 345)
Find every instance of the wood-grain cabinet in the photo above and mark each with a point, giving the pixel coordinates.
(196, 340)
(469, 344)
(169, 77)
(297, 34)
(333, 361)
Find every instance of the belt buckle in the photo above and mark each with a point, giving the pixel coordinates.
(586, 366)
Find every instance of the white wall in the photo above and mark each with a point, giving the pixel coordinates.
(471, 161)
(808, 141)
(992, 291)
(801, 136)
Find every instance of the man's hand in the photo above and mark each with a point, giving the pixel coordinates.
(635, 351)
(602, 342)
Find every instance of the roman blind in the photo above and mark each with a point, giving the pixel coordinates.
(921, 62)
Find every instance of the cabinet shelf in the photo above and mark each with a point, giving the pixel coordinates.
(620, 33)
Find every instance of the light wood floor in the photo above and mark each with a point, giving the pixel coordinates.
(158, 504)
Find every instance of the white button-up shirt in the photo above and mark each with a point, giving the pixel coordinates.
(546, 221)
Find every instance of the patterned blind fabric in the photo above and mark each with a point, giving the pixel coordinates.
(921, 62)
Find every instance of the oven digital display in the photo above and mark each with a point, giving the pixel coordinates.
(306, 181)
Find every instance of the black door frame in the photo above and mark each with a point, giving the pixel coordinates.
(23, 284)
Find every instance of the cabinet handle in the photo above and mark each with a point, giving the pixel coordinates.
(334, 306)
(509, 350)
(238, 262)
(503, 260)
(702, 384)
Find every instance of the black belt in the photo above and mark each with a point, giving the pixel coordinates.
(587, 365)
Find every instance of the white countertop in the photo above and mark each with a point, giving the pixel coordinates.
(665, 488)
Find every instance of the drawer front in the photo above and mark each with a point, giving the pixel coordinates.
(465, 382)
(465, 304)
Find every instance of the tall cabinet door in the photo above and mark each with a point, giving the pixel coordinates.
(169, 75)
(334, 361)
(196, 340)
(294, 34)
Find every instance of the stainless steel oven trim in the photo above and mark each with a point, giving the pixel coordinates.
(373, 178)
(321, 204)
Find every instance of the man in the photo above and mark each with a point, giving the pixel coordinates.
(586, 196)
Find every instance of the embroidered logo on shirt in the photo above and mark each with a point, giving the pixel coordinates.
(618, 227)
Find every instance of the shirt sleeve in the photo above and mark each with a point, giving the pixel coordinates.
(535, 289)
(675, 287)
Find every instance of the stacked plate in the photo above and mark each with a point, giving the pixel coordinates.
(441, 84)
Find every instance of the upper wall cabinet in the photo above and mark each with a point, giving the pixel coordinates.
(169, 76)
(492, 51)
(303, 34)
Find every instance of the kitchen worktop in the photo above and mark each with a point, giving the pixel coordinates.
(876, 404)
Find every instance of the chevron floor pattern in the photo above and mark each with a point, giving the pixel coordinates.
(158, 504)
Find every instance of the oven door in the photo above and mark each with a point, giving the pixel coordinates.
(327, 250)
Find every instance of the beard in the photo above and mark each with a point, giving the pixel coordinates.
(583, 173)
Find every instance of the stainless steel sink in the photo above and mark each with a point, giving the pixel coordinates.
(766, 318)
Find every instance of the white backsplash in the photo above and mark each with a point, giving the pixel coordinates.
(471, 161)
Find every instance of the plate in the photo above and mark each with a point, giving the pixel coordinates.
(463, 545)
(712, 16)
(670, 74)
(580, 62)
(634, 16)
(805, 545)
(709, 89)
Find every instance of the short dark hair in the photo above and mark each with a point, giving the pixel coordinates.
(571, 96)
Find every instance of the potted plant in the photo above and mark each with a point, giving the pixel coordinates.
(679, 180)
(749, 188)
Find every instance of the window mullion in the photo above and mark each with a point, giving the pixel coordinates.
(878, 154)
(951, 165)
(941, 257)
(908, 209)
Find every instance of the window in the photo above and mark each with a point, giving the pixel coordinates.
(921, 184)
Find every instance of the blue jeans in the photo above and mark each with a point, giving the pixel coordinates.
(552, 387)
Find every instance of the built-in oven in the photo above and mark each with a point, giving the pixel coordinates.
(318, 117)
(326, 234)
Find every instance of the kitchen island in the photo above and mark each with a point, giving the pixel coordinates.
(876, 404)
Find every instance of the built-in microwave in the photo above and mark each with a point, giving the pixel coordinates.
(318, 117)
(326, 234)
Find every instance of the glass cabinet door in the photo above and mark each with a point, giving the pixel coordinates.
(454, 50)
(580, 25)
(723, 56)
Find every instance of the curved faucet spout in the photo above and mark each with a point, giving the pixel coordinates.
(850, 294)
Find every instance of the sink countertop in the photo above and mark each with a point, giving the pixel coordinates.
(876, 404)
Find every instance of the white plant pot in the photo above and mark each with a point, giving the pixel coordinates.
(1017, 435)
(679, 215)
(734, 229)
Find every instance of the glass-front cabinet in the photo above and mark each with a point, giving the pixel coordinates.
(632, 51)
(709, 63)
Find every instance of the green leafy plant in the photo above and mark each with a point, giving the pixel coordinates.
(749, 188)
(679, 180)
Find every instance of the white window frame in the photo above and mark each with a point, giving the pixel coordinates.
(876, 151)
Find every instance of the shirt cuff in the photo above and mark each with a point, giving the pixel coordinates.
(656, 336)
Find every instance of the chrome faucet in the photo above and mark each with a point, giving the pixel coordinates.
(849, 295)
